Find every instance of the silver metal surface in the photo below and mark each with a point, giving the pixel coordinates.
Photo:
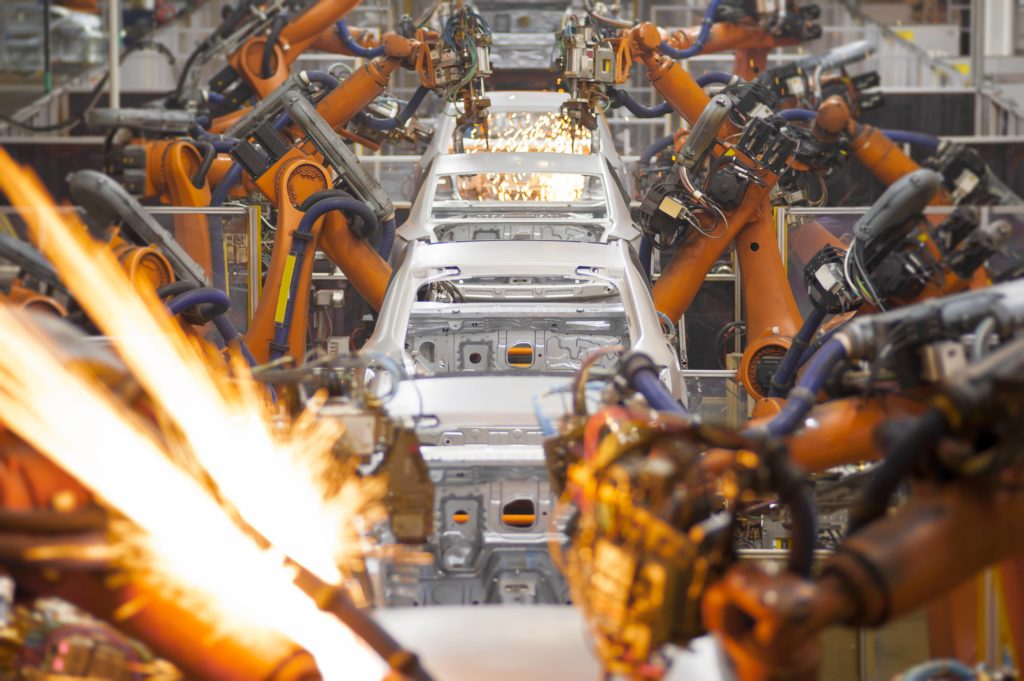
(611, 263)
(540, 643)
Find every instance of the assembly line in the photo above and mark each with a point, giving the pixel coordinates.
(485, 399)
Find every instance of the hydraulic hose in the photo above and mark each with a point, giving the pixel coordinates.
(782, 381)
(622, 98)
(300, 237)
(908, 137)
(639, 373)
(221, 144)
(403, 116)
(323, 78)
(655, 149)
(817, 343)
(217, 300)
(714, 77)
(939, 669)
(276, 26)
(804, 396)
(798, 114)
(898, 136)
(901, 453)
(198, 179)
(789, 485)
(220, 303)
(702, 37)
(216, 98)
(387, 239)
(354, 47)
(220, 194)
(175, 289)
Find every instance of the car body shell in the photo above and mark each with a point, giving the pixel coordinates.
(616, 223)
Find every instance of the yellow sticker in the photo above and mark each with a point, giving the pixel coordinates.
(964, 68)
(905, 34)
(286, 287)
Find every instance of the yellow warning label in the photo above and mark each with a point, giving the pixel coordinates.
(286, 287)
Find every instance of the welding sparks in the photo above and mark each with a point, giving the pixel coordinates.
(510, 186)
(70, 417)
(275, 480)
(523, 132)
(278, 480)
(530, 132)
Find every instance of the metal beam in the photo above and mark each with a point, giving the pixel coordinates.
(114, 53)
(978, 63)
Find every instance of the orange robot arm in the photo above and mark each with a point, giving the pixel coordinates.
(886, 570)
(295, 38)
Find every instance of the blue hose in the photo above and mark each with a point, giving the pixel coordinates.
(300, 237)
(199, 296)
(898, 136)
(354, 47)
(403, 116)
(798, 114)
(211, 296)
(782, 381)
(639, 372)
(224, 187)
(217, 197)
(223, 145)
(323, 78)
(702, 37)
(939, 669)
(636, 108)
(804, 396)
(215, 98)
(387, 239)
(647, 383)
(655, 149)
(908, 137)
(220, 194)
(813, 348)
(719, 77)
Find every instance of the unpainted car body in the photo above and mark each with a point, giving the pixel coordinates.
(481, 422)
(586, 203)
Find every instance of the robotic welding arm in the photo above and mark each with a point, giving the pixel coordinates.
(108, 203)
(970, 499)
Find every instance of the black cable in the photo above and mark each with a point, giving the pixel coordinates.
(723, 336)
(222, 31)
(789, 485)
(175, 289)
(189, 65)
(97, 92)
(280, 21)
(901, 453)
(94, 98)
(209, 154)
